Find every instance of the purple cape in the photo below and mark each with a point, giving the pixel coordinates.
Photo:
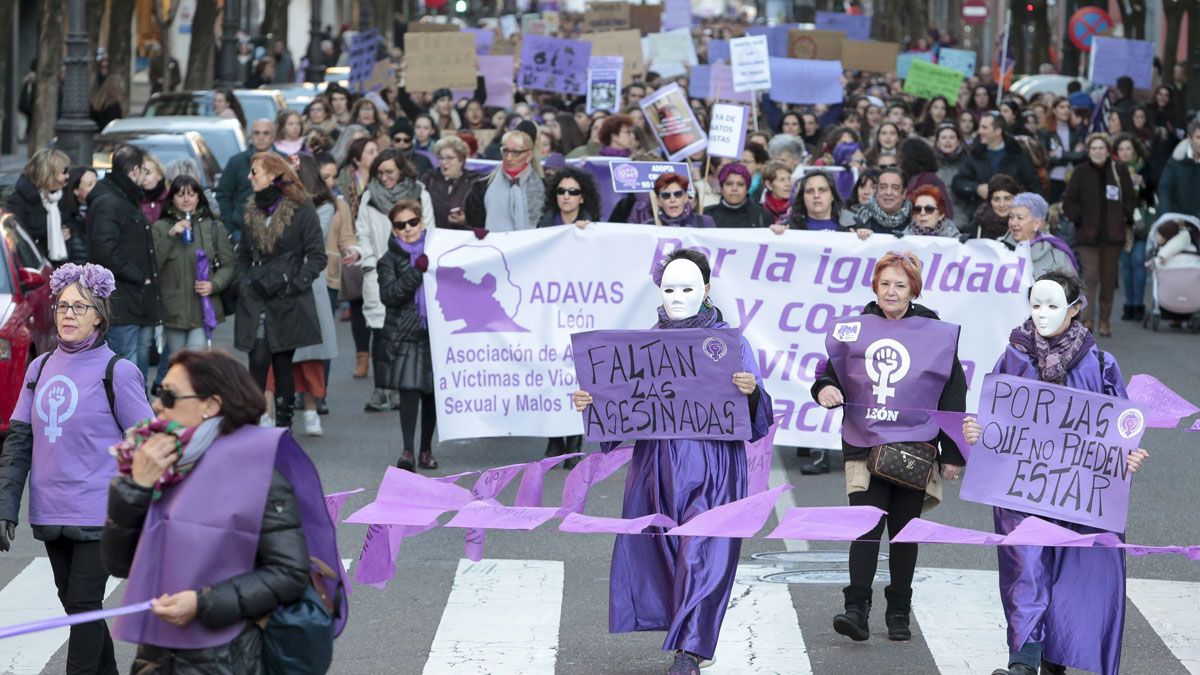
(1072, 600)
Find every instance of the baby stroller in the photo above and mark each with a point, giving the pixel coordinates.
(1174, 286)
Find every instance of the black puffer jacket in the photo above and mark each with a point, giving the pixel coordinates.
(26, 204)
(954, 394)
(399, 283)
(975, 170)
(280, 577)
(119, 238)
(747, 214)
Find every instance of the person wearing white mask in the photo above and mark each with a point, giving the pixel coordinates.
(1053, 622)
(682, 584)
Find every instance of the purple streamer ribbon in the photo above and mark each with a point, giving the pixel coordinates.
(72, 619)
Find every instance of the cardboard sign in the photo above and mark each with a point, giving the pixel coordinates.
(815, 45)
(363, 49)
(962, 60)
(751, 63)
(646, 19)
(661, 384)
(855, 26)
(905, 60)
(674, 122)
(927, 80)
(1112, 58)
(727, 131)
(624, 43)
(554, 64)
(437, 60)
(427, 27)
(870, 56)
(604, 16)
(640, 176)
(1054, 451)
(671, 52)
(806, 81)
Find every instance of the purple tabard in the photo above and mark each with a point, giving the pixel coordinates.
(890, 371)
(203, 531)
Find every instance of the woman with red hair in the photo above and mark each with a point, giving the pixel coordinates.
(929, 213)
(674, 205)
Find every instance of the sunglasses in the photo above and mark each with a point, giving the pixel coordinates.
(574, 192)
(925, 209)
(402, 140)
(168, 397)
(405, 224)
(675, 194)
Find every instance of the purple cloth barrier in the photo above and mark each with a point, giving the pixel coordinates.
(827, 523)
(492, 515)
(406, 498)
(334, 502)
(758, 462)
(377, 560)
(529, 493)
(919, 531)
(489, 484)
(593, 469)
(72, 619)
(1166, 408)
(1034, 531)
(584, 524)
(742, 518)
(950, 423)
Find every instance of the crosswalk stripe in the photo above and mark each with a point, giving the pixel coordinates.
(502, 616)
(761, 633)
(961, 619)
(1173, 609)
(32, 596)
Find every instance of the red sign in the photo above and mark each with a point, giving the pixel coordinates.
(974, 12)
(1086, 24)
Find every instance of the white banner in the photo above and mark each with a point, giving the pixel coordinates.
(502, 310)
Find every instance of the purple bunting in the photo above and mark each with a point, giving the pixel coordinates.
(1166, 407)
(743, 518)
(1033, 531)
(584, 524)
(920, 531)
(334, 502)
(406, 498)
(493, 515)
(529, 493)
(758, 462)
(593, 469)
(827, 523)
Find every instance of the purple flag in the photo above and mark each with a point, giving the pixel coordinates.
(1034, 531)
(1054, 451)
(919, 531)
(584, 524)
(493, 515)
(334, 502)
(529, 493)
(73, 619)
(1165, 407)
(206, 306)
(891, 372)
(554, 64)
(758, 461)
(827, 523)
(661, 384)
(406, 498)
(593, 469)
(743, 518)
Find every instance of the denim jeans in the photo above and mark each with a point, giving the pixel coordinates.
(133, 344)
(175, 340)
(1030, 655)
(1133, 273)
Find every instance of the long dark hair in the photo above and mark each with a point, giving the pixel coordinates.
(916, 156)
(185, 182)
(799, 219)
(310, 177)
(234, 104)
(591, 195)
(215, 373)
(871, 175)
(74, 177)
(570, 135)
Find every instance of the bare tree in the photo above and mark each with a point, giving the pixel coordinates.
(165, 20)
(95, 17)
(51, 36)
(6, 19)
(203, 48)
(120, 45)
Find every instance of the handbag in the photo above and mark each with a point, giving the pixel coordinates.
(352, 283)
(908, 465)
(297, 639)
(227, 296)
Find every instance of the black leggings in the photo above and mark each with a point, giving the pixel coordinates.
(262, 360)
(902, 505)
(81, 580)
(358, 327)
(409, 401)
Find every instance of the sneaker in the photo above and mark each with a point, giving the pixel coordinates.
(378, 401)
(705, 663)
(266, 421)
(684, 664)
(312, 423)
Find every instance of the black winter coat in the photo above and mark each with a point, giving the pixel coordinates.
(749, 214)
(279, 577)
(1086, 201)
(277, 284)
(1068, 156)
(1179, 186)
(120, 239)
(976, 170)
(954, 393)
(447, 195)
(26, 204)
(399, 283)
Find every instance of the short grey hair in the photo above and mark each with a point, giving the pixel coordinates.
(182, 166)
(782, 143)
(102, 305)
(454, 144)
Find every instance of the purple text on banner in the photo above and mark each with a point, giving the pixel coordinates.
(1166, 407)
(483, 39)
(334, 502)
(1054, 451)
(661, 384)
(855, 26)
(806, 81)
(73, 619)
(554, 64)
(758, 462)
(919, 531)
(594, 468)
(742, 518)
(827, 523)
(640, 176)
(718, 51)
(583, 524)
(904, 61)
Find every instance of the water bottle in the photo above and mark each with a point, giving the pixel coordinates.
(187, 232)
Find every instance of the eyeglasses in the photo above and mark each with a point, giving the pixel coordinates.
(448, 158)
(170, 398)
(405, 224)
(574, 192)
(78, 309)
(674, 194)
(402, 140)
(512, 152)
(927, 209)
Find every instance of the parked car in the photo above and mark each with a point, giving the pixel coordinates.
(164, 147)
(26, 319)
(223, 135)
(1038, 84)
(256, 103)
(297, 95)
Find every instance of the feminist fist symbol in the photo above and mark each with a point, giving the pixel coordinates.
(887, 363)
(55, 400)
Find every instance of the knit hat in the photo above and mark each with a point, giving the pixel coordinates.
(736, 167)
(1037, 206)
(529, 128)
(402, 125)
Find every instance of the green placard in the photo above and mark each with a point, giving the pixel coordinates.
(927, 80)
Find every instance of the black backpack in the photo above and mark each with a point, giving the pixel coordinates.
(109, 391)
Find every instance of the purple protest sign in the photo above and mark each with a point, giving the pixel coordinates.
(891, 372)
(676, 14)
(584, 524)
(484, 37)
(718, 51)
(640, 176)
(742, 518)
(554, 64)
(1054, 451)
(806, 81)
(1166, 408)
(855, 26)
(827, 523)
(661, 384)
(674, 122)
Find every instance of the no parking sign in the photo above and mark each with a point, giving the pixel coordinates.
(1086, 24)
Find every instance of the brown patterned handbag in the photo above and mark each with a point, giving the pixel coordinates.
(908, 464)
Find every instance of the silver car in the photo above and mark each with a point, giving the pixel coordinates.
(164, 147)
(223, 135)
(256, 103)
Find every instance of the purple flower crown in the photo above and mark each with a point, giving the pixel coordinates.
(96, 278)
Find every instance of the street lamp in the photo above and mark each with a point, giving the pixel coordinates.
(316, 72)
(229, 58)
(75, 127)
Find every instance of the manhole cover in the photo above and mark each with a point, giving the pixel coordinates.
(807, 557)
(830, 577)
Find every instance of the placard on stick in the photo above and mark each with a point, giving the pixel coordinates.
(670, 384)
(624, 43)
(816, 45)
(870, 56)
(437, 60)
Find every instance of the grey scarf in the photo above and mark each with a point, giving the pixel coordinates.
(384, 199)
(892, 222)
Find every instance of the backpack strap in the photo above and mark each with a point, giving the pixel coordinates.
(32, 385)
(110, 391)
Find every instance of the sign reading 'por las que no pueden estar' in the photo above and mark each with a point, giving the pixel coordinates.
(661, 384)
(1054, 451)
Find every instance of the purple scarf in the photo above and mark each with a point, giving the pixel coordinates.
(610, 151)
(684, 219)
(707, 317)
(80, 346)
(1060, 245)
(1056, 356)
(414, 251)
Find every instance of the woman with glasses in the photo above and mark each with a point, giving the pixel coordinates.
(450, 183)
(76, 403)
(318, 116)
(929, 217)
(674, 204)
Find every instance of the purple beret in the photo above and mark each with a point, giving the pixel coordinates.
(736, 167)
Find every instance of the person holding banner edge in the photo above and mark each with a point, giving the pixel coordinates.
(871, 430)
(682, 584)
(1051, 624)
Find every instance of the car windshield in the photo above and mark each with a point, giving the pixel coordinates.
(176, 105)
(257, 107)
(222, 142)
(164, 148)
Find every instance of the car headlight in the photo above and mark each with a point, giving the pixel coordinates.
(5, 350)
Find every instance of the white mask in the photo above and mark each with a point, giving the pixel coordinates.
(1048, 307)
(682, 289)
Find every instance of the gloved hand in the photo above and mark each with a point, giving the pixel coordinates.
(422, 263)
(480, 232)
(8, 532)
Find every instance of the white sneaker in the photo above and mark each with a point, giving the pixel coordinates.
(266, 421)
(704, 663)
(312, 423)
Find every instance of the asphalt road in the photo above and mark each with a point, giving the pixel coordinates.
(436, 617)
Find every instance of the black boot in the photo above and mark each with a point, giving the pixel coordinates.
(899, 604)
(572, 445)
(853, 622)
(284, 407)
(1139, 312)
(555, 446)
(818, 463)
(1015, 669)
(1127, 313)
(1053, 668)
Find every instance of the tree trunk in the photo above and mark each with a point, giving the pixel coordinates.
(120, 42)
(888, 30)
(1193, 81)
(6, 19)
(1173, 13)
(275, 21)
(1133, 20)
(204, 44)
(95, 17)
(51, 36)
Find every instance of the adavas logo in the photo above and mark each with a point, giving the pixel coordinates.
(626, 174)
(887, 362)
(475, 285)
(1130, 423)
